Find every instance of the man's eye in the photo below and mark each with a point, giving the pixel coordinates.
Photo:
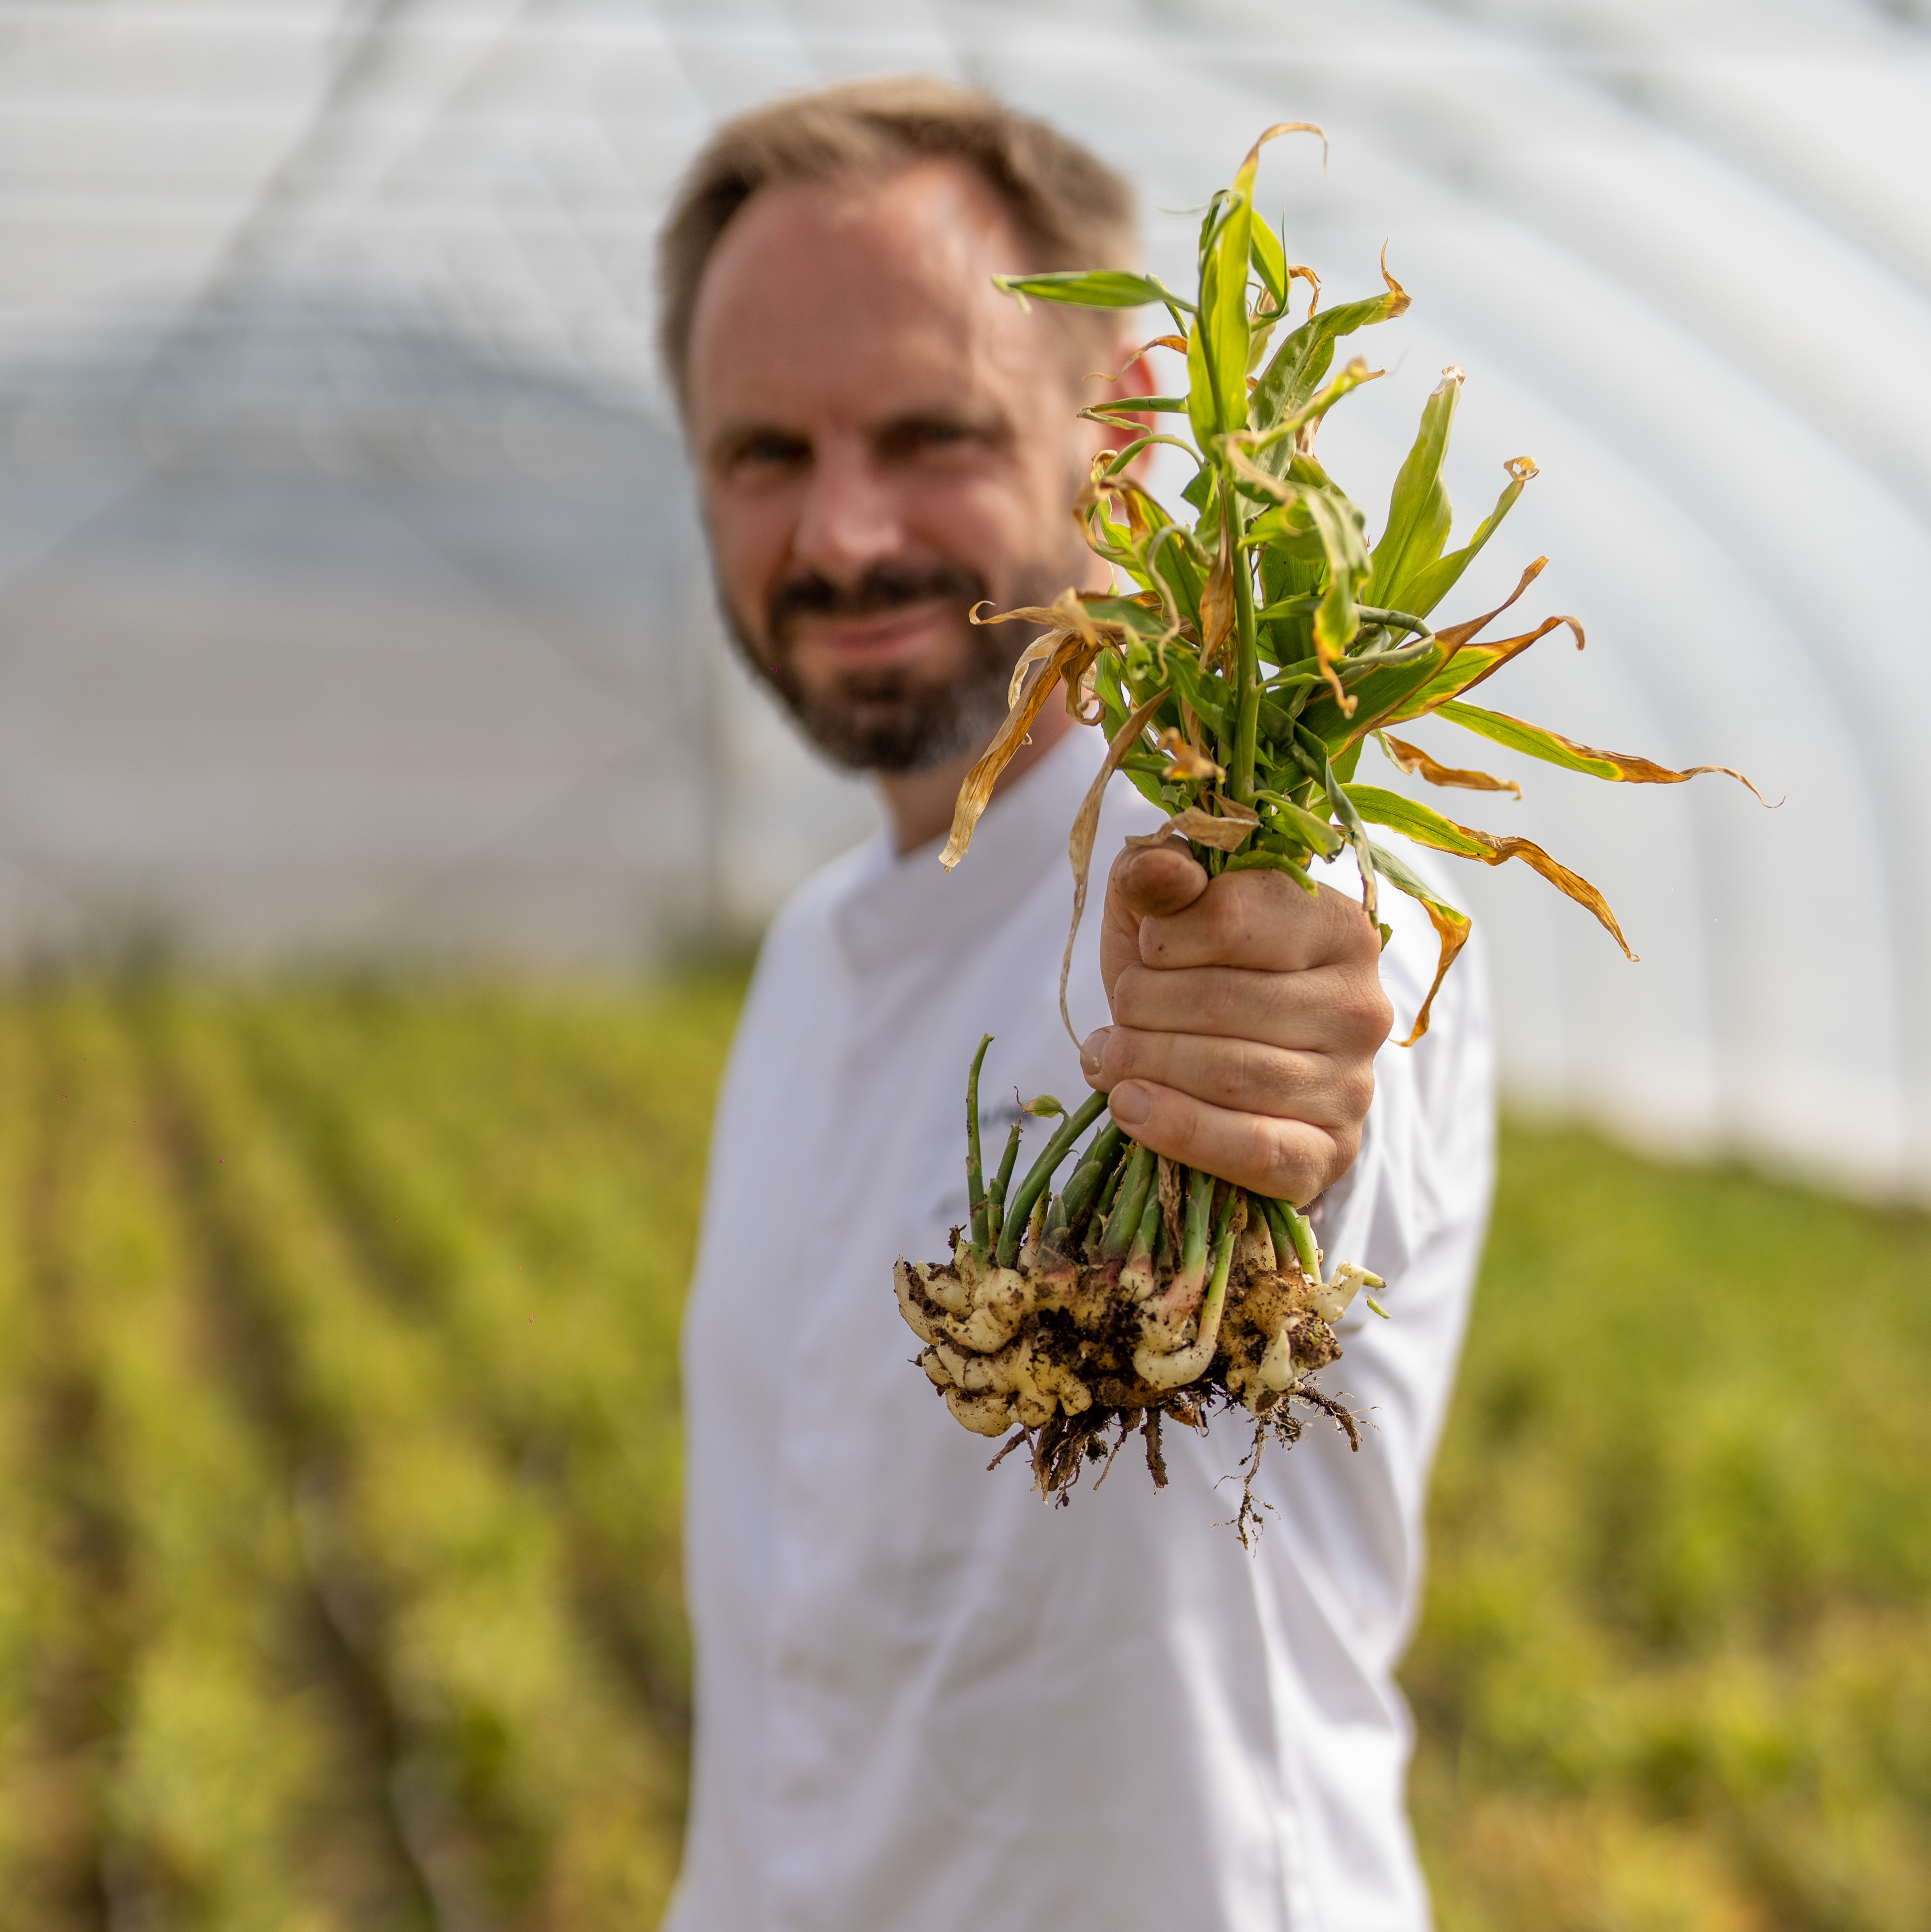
(908, 441)
(771, 452)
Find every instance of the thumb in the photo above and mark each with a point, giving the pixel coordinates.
(1155, 881)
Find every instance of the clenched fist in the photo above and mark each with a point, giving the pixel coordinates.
(1247, 1014)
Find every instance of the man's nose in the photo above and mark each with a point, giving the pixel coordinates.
(851, 518)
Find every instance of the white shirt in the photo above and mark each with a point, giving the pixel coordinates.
(925, 1699)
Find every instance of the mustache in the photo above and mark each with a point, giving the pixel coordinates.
(884, 587)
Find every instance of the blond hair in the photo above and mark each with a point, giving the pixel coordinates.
(1071, 210)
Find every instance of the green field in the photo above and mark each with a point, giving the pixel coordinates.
(338, 1581)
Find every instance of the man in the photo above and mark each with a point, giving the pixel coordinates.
(923, 1700)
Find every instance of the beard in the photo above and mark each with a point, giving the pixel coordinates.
(892, 719)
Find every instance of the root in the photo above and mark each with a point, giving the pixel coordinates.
(1156, 1463)
(1344, 1417)
(1074, 1347)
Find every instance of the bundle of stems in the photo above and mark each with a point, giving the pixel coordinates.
(1264, 642)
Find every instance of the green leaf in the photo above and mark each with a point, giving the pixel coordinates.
(1209, 696)
(1270, 262)
(1312, 755)
(1141, 406)
(1421, 823)
(1203, 404)
(1091, 288)
(1429, 586)
(1339, 524)
(1224, 300)
(1419, 515)
(1316, 834)
(1534, 742)
(1294, 371)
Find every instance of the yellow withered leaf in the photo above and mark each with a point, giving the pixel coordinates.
(1216, 602)
(1226, 833)
(1190, 762)
(1455, 635)
(1427, 827)
(1069, 651)
(1417, 764)
(1176, 342)
(1452, 929)
(1573, 884)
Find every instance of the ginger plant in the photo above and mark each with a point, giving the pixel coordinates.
(1265, 641)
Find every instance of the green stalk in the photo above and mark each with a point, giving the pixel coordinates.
(1199, 1218)
(1148, 1230)
(1100, 1164)
(975, 1168)
(1247, 662)
(1129, 1205)
(1041, 1172)
(1102, 1209)
(1209, 1331)
(995, 1197)
(1294, 1234)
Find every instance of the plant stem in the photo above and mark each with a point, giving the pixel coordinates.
(1098, 1166)
(1294, 1234)
(975, 1168)
(1247, 665)
(1200, 1208)
(1102, 1208)
(1148, 1232)
(1128, 1206)
(1074, 1124)
(995, 1196)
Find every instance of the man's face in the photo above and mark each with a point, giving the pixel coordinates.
(883, 439)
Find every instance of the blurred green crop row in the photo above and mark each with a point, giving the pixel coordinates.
(339, 1478)
(1674, 1669)
(338, 1579)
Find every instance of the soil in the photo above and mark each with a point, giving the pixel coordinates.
(1044, 1353)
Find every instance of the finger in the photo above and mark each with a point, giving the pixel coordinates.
(1150, 881)
(1238, 1076)
(1262, 920)
(1287, 1160)
(1327, 1009)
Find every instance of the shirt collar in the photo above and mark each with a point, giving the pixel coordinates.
(898, 906)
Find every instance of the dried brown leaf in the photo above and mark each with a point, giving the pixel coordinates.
(1417, 763)
(1216, 601)
(1573, 884)
(1226, 833)
(1190, 762)
(1085, 830)
(1452, 929)
(1456, 635)
(976, 792)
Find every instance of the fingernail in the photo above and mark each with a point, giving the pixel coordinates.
(1131, 1103)
(1094, 1050)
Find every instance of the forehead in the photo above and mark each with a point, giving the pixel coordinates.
(850, 299)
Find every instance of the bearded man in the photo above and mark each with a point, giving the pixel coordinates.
(924, 1701)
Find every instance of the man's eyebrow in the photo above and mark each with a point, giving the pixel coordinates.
(734, 439)
(988, 422)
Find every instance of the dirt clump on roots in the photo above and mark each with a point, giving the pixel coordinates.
(1069, 1353)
